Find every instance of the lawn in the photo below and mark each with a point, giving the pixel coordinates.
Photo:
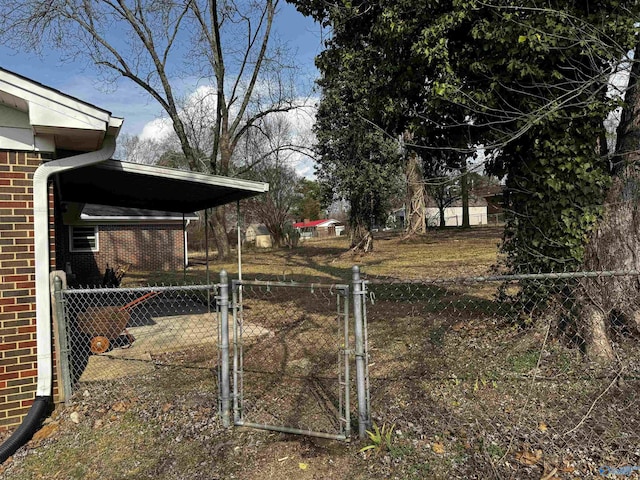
(441, 253)
(463, 389)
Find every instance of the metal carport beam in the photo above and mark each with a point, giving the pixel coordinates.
(134, 185)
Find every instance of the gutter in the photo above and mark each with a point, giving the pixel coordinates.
(44, 392)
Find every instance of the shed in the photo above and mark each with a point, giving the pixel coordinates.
(327, 227)
(258, 235)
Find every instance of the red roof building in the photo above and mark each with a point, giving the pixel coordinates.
(327, 227)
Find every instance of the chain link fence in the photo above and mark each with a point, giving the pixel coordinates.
(533, 376)
(111, 334)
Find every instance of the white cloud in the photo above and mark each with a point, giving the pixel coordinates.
(158, 130)
(200, 104)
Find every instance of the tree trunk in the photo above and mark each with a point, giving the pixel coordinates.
(464, 193)
(615, 243)
(219, 230)
(361, 238)
(443, 221)
(416, 216)
(218, 223)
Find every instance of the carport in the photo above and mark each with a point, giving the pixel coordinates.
(95, 177)
(117, 183)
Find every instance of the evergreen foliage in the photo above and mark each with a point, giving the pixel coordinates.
(528, 80)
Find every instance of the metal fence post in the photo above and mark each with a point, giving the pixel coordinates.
(224, 349)
(358, 293)
(237, 332)
(65, 371)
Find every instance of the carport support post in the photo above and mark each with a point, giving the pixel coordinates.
(358, 298)
(224, 350)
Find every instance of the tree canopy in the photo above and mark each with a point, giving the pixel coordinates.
(526, 80)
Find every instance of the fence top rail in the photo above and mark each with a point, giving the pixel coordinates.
(506, 278)
(266, 283)
(163, 288)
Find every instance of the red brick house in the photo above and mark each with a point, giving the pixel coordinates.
(55, 154)
(101, 236)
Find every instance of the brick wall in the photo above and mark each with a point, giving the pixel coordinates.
(18, 374)
(146, 247)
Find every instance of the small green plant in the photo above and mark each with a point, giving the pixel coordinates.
(495, 451)
(380, 438)
(525, 362)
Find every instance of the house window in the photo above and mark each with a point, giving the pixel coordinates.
(83, 239)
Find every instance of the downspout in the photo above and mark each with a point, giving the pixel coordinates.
(44, 392)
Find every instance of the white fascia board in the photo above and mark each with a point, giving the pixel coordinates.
(188, 176)
(23, 139)
(12, 138)
(116, 122)
(49, 114)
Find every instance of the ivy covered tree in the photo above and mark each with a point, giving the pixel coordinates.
(527, 81)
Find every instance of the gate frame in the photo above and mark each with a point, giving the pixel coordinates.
(344, 357)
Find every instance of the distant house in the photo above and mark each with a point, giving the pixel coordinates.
(99, 236)
(258, 235)
(494, 196)
(453, 213)
(327, 227)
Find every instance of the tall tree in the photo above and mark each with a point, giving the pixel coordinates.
(353, 162)
(155, 44)
(308, 205)
(527, 80)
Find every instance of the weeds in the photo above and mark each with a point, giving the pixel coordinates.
(380, 439)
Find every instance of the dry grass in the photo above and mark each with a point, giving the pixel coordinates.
(471, 394)
(439, 254)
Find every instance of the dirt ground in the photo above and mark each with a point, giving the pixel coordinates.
(461, 391)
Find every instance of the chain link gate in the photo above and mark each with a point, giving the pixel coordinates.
(291, 358)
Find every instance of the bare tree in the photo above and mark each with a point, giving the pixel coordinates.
(134, 149)
(157, 44)
(271, 154)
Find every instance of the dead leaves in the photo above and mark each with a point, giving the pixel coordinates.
(438, 448)
(536, 457)
(46, 431)
(120, 407)
(526, 457)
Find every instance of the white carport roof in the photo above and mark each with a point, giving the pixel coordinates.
(124, 184)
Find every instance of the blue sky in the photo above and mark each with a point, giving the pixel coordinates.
(129, 101)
